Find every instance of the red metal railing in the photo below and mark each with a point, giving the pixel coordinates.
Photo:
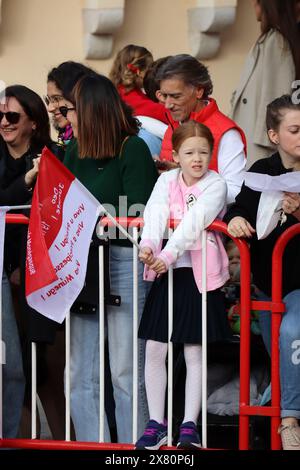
(277, 307)
(16, 219)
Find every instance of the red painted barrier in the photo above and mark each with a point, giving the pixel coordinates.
(276, 306)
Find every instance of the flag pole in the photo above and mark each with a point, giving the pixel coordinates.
(122, 229)
(104, 211)
(10, 208)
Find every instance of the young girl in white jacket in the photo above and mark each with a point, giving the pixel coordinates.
(194, 195)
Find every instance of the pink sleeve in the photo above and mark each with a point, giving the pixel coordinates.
(167, 258)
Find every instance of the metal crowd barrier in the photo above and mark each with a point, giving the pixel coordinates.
(246, 410)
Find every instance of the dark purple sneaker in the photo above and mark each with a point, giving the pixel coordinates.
(155, 436)
(189, 436)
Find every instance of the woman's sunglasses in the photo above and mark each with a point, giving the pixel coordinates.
(53, 99)
(11, 116)
(64, 110)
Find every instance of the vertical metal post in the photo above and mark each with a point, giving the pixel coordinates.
(2, 361)
(33, 390)
(101, 342)
(204, 338)
(2, 345)
(135, 338)
(170, 352)
(67, 378)
(244, 344)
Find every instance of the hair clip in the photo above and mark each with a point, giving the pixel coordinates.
(133, 68)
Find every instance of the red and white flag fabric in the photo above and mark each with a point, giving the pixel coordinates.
(62, 220)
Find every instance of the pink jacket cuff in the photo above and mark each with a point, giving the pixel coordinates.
(149, 244)
(167, 258)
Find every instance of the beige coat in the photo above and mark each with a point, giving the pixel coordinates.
(268, 73)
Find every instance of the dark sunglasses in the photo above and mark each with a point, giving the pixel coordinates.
(64, 110)
(11, 116)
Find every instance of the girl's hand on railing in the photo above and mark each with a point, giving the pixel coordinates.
(239, 227)
(146, 255)
(159, 266)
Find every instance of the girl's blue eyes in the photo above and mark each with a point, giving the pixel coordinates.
(202, 153)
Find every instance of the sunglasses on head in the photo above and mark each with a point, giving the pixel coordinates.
(53, 99)
(11, 116)
(64, 110)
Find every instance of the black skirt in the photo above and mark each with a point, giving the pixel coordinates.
(187, 311)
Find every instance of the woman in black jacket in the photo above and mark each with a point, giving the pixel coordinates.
(283, 124)
(24, 131)
(17, 178)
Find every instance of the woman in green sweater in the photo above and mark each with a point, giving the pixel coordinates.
(114, 164)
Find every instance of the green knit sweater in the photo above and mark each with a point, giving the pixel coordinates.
(132, 174)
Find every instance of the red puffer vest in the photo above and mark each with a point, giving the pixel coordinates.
(216, 121)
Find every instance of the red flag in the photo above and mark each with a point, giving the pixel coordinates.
(62, 220)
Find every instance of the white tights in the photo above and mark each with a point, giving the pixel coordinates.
(156, 380)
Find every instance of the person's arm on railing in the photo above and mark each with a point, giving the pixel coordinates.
(291, 204)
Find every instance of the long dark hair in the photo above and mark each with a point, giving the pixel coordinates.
(34, 108)
(104, 120)
(281, 15)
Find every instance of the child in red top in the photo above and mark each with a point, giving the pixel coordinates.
(127, 74)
